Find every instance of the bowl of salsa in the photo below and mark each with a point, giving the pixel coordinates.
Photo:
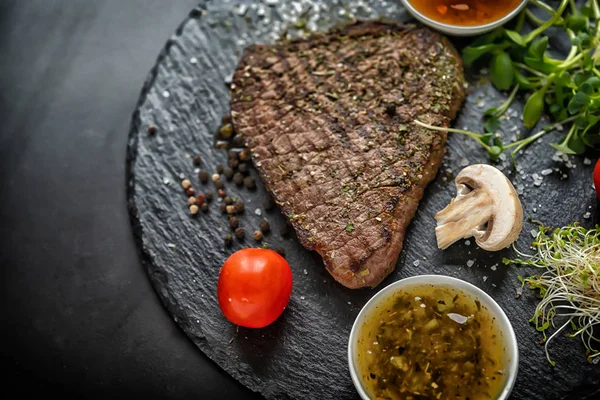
(432, 336)
(464, 17)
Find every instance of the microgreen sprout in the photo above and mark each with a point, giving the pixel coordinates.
(569, 285)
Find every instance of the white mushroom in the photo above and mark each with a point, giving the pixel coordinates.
(486, 207)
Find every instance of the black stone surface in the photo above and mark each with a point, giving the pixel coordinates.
(303, 354)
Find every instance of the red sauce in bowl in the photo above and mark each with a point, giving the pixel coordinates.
(465, 12)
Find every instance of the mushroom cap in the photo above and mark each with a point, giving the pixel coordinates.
(506, 221)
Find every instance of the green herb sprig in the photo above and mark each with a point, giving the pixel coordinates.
(567, 89)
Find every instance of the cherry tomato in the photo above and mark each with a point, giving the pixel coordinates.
(597, 178)
(254, 287)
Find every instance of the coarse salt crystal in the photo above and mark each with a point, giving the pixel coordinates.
(166, 94)
(349, 303)
(422, 305)
(302, 297)
(587, 215)
(305, 272)
(533, 233)
(534, 209)
(194, 60)
(470, 263)
(417, 298)
(547, 171)
(485, 278)
(416, 263)
(467, 242)
(493, 267)
(587, 161)
(464, 162)
(258, 211)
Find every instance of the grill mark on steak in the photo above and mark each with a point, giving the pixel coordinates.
(329, 122)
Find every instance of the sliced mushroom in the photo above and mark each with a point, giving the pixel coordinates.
(486, 207)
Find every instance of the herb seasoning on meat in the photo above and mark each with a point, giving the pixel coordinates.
(431, 341)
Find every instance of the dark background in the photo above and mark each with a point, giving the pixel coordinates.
(79, 315)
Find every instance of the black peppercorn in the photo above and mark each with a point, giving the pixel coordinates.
(197, 160)
(264, 226)
(208, 196)
(244, 155)
(240, 207)
(232, 155)
(228, 200)
(204, 207)
(244, 168)
(238, 178)
(233, 164)
(238, 141)
(151, 129)
(219, 168)
(234, 222)
(249, 182)
(219, 184)
(228, 172)
(228, 240)
(240, 233)
(203, 176)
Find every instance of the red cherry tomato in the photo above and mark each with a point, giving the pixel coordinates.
(597, 178)
(254, 287)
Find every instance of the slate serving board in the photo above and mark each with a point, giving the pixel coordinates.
(303, 354)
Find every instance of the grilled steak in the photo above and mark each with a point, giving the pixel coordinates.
(329, 122)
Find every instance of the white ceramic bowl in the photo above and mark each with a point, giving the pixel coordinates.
(512, 351)
(458, 30)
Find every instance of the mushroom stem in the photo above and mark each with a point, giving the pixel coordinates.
(464, 217)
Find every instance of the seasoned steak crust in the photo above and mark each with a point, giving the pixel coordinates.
(329, 121)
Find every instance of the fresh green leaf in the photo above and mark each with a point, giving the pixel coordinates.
(578, 101)
(502, 71)
(490, 111)
(515, 37)
(540, 65)
(563, 79)
(523, 82)
(471, 54)
(588, 62)
(576, 22)
(538, 47)
(576, 144)
(532, 112)
(594, 81)
(494, 152)
(491, 125)
(579, 78)
(562, 148)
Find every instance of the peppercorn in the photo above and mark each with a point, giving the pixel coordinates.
(190, 191)
(151, 129)
(226, 130)
(233, 164)
(232, 155)
(234, 222)
(219, 168)
(258, 236)
(197, 160)
(245, 155)
(223, 208)
(194, 209)
(221, 193)
(268, 203)
(204, 207)
(200, 199)
(238, 141)
(240, 233)
(226, 119)
(228, 240)
(249, 182)
(239, 207)
(191, 200)
(228, 200)
(219, 184)
(208, 196)
(203, 176)
(230, 210)
(244, 168)
(238, 178)
(186, 184)
(228, 172)
(264, 226)
(280, 251)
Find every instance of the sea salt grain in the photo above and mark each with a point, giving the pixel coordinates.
(533, 233)
(467, 242)
(470, 263)
(166, 94)
(485, 278)
(493, 267)
(305, 272)
(546, 172)
(416, 263)
(587, 215)
(587, 161)
(258, 211)
(194, 60)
